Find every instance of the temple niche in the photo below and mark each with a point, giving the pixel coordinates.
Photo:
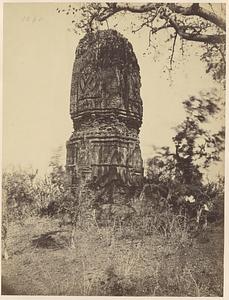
(106, 110)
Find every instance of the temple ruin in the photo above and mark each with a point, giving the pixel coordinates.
(106, 110)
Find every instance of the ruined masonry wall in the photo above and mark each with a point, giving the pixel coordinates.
(106, 110)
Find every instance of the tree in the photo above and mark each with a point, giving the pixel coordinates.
(177, 175)
(20, 192)
(63, 203)
(200, 23)
(18, 200)
(195, 147)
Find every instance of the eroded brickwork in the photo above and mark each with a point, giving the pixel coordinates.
(106, 110)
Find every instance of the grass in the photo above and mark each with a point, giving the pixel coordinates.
(112, 262)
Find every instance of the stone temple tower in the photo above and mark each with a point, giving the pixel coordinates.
(106, 110)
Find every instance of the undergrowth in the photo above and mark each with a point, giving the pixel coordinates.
(136, 259)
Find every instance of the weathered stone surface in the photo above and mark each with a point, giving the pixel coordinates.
(106, 109)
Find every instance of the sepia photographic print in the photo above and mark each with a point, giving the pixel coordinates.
(113, 167)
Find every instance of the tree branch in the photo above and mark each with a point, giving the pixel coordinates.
(173, 50)
(196, 10)
(193, 10)
(211, 17)
(167, 11)
(156, 29)
(204, 38)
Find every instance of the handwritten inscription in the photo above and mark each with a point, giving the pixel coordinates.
(31, 19)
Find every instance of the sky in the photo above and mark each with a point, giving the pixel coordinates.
(38, 54)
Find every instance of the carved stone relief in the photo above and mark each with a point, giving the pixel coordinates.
(106, 109)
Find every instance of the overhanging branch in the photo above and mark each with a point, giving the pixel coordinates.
(196, 10)
(204, 38)
(193, 10)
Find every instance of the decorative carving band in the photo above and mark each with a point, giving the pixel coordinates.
(106, 109)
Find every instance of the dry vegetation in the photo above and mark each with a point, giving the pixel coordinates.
(125, 260)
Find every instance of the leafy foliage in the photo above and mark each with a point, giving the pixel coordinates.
(195, 146)
(20, 191)
(177, 176)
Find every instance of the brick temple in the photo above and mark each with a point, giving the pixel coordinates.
(106, 110)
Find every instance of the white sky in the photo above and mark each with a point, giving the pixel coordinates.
(38, 57)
